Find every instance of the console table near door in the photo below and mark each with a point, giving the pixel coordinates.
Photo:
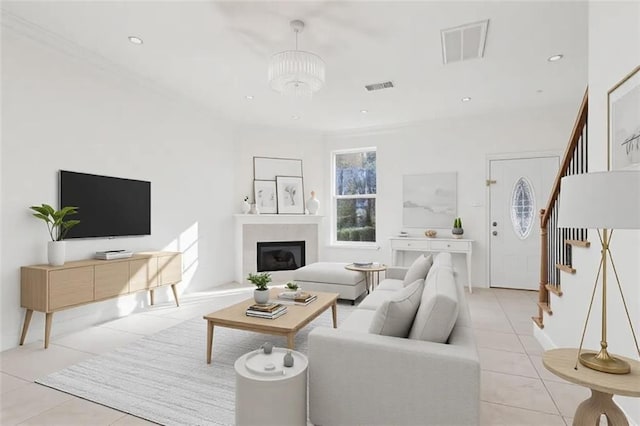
(452, 245)
(49, 289)
(562, 362)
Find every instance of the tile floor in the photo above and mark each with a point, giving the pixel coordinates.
(516, 389)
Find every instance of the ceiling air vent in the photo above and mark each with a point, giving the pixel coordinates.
(379, 86)
(464, 42)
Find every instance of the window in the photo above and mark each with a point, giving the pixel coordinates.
(522, 208)
(354, 196)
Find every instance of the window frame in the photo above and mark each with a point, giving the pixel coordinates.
(334, 201)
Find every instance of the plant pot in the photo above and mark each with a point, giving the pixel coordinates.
(246, 207)
(56, 252)
(457, 232)
(261, 296)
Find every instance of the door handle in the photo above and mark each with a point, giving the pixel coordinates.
(495, 233)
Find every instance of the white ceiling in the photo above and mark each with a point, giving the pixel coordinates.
(216, 53)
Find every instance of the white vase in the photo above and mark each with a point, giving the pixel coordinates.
(245, 207)
(56, 252)
(261, 296)
(313, 204)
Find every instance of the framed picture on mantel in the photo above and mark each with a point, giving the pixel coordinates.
(264, 192)
(290, 195)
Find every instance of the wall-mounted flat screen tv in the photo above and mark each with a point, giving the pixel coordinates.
(107, 206)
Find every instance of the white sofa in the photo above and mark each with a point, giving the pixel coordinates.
(358, 378)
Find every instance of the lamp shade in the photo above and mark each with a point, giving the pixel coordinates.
(601, 200)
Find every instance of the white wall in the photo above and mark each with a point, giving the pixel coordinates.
(59, 112)
(614, 50)
(451, 145)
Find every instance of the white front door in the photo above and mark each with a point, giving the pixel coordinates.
(520, 190)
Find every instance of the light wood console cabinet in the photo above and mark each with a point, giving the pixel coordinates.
(48, 289)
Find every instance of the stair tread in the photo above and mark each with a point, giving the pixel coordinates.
(554, 288)
(578, 243)
(538, 322)
(545, 307)
(565, 268)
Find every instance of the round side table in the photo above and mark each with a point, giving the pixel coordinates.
(371, 273)
(561, 362)
(267, 392)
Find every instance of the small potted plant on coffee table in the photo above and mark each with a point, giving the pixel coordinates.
(261, 293)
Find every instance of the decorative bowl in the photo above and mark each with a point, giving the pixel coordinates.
(430, 233)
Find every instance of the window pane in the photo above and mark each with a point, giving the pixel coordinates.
(522, 208)
(356, 219)
(356, 173)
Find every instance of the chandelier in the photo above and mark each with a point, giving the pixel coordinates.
(296, 72)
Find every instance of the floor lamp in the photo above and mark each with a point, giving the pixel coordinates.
(604, 201)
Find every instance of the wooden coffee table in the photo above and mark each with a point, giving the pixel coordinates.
(288, 325)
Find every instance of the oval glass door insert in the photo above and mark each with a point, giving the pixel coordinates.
(522, 208)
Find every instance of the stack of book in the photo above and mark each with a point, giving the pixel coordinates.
(297, 298)
(269, 310)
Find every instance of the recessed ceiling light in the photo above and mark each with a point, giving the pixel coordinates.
(295, 117)
(364, 111)
(249, 97)
(465, 99)
(555, 58)
(135, 40)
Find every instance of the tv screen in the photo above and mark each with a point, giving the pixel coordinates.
(107, 206)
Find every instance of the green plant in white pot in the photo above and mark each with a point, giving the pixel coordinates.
(457, 230)
(58, 228)
(261, 293)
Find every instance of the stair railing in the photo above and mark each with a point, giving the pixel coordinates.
(554, 250)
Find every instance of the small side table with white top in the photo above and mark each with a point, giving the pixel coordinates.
(267, 392)
(371, 273)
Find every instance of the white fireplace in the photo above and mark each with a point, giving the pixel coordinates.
(251, 229)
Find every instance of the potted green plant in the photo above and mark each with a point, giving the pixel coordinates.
(58, 228)
(292, 286)
(457, 230)
(261, 293)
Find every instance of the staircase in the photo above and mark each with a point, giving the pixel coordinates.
(556, 244)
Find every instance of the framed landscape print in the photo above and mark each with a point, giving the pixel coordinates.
(429, 200)
(624, 123)
(290, 195)
(264, 192)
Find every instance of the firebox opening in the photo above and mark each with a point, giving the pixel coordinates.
(280, 255)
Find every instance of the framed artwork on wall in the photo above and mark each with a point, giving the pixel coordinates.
(290, 195)
(429, 200)
(267, 168)
(264, 192)
(624, 122)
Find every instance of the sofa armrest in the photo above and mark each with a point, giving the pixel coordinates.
(396, 272)
(361, 378)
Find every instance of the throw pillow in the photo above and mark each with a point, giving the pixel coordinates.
(438, 309)
(395, 316)
(418, 269)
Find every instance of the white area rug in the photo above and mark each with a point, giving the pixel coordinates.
(164, 378)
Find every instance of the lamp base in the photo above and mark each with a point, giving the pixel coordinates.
(604, 362)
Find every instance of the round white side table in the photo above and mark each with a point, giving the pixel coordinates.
(267, 392)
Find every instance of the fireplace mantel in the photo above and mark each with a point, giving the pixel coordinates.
(242, 219)
(251, 228)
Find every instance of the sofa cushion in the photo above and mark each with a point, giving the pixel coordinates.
(358, 320)
(438, 309)
(390, 284)
(418, 269)
(395, 315)
(374, 300)
(328, 272)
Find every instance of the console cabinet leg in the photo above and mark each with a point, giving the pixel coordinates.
(151, 297)
(47, 328)
(25, 327)
(175, 294)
